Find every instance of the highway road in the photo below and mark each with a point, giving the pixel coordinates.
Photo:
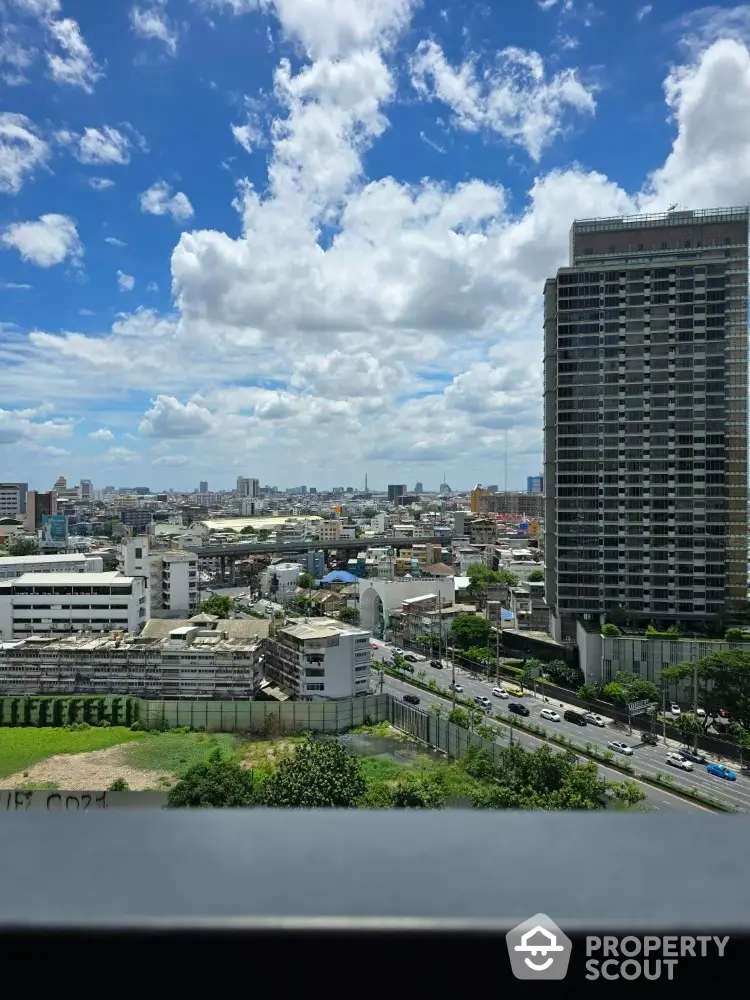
(646, 760)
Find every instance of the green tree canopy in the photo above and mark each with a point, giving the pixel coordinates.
(723, 682)
(471, 630)
(536, 576)
(217, 605)
(217, 783)
(419, 791)
(319, 774)
(306, 581)
(23, 546)
(349, 615)
(483, 578)
(625, 688)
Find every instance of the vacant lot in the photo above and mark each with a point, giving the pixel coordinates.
(21, 749)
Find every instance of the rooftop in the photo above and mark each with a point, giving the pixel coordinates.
(110, 641)
(236, 628)
(36, 558)
(320, 628)
(71, 579)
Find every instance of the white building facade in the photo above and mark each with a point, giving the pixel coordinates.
(320, 660)
(61, 603)
(11, 567)
(280, 581)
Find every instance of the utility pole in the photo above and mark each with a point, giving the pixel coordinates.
(664, 714)
(497, 648)
(695, 706)
(453, 668)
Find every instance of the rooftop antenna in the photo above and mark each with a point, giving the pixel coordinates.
(505, 486)
(673, 207)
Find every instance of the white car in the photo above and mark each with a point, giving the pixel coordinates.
(458, 688)
(595, 720)
(483, 700)
(701, 713)
(620, 748)
(500, 693)
(675, 710)
(547, 713)
(676, 761)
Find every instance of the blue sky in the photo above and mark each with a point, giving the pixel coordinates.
(305, 240)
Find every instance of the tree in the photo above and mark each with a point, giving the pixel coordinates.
(471, 630)
(723, 682)
(369, 512)
(536, 576)
(319, 774)
(688, 725)
(626, 688)
(263, 535)
(23, 546)
(306, 581)
(217, 605)
(529, 672)
(480, 654)
(399, 663)
(349, 615)
(217, 783)
(627, 792)
(483, 578)
(419, 791)
(564, 673)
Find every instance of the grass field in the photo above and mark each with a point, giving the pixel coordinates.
(175, 752)
(21, 748)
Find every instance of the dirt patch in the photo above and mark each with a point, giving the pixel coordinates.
(90, 772)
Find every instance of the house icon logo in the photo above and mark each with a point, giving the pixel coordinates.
(538, 949)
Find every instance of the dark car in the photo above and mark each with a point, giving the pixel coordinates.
(411, 699)
(436, 664)
(517, 709)
(649, 739)
(696, 758)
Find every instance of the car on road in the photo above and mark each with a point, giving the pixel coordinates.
(674, 708)
(676, 760)
(374, 645)
(482, 700)
(411, 699)
(410, 658)
(500, 693)
(548, 713)
(436, 664)
(701, 713)
(517, 709)
(650, 739)
(458, 688)
(721, 771)
(696, 758)
(595, 720)
(577, 718)
(619, 747)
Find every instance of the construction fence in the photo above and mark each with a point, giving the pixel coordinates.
(437, 732)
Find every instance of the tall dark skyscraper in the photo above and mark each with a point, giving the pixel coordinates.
(645, 419)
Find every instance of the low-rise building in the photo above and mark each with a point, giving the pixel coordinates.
(12, 567)
(280, 580)
(329, 531)
(192, 661)
(60, 603)
(320, 659)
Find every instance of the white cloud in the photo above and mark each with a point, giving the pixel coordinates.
(20, 425)
(76, 67)
(16, 56)
(515, 99)
(39, 8)
(546, 4)
(22, 151)
(100, 183)
(125, 282)
(103, 434)
(159, 200)
(102, 145)
(246, 136)
(114, 242)
(119, 456)
(152, 22)
(171, 461)
(48, 241)
(169, 418)
(15, 286)
(643, 12)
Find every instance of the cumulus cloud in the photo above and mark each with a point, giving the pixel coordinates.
(103, 434)
(21, 425)
(22, 151)
(101, 145)
(50, 240)
(125, 282)
(114, 242)
(74, 65)
(100, 183)
(171, 461)
(169, 418)
(515, 99)
(152, 22)
(159, 200)
(119, 456)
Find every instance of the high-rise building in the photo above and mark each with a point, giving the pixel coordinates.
(37, 505)
(535, 484)
(645, 419)
(394, 492)
(13, 499)
(247, 487)
(86, 490)
(203, 488)
(419, 488)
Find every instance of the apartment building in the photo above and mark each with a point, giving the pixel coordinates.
(247, 487)
(37, 505)
(645, 419)
(280, 581)
(320, 660)
(191, 662)
(12, 567)
(59, 603)
(170, 576)
(329, 531)
(13, 499)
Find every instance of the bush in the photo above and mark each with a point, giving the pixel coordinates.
(119, 785)
(654, 633)
(136, 727)
(610, 630)
(736, 635)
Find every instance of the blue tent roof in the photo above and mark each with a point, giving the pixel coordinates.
(339, 576)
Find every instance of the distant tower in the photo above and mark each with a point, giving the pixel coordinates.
(365, 482)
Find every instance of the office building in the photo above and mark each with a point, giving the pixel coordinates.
(86, 491)
(248, 487)
(13, 499)
(645, 419)
(418, 488)
(394, 492)
(60, 603)
(136, 518)
(203, 488)
(319, 659)
(535, 484)
(37, 505)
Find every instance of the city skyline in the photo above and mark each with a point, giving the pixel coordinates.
(297, 243)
